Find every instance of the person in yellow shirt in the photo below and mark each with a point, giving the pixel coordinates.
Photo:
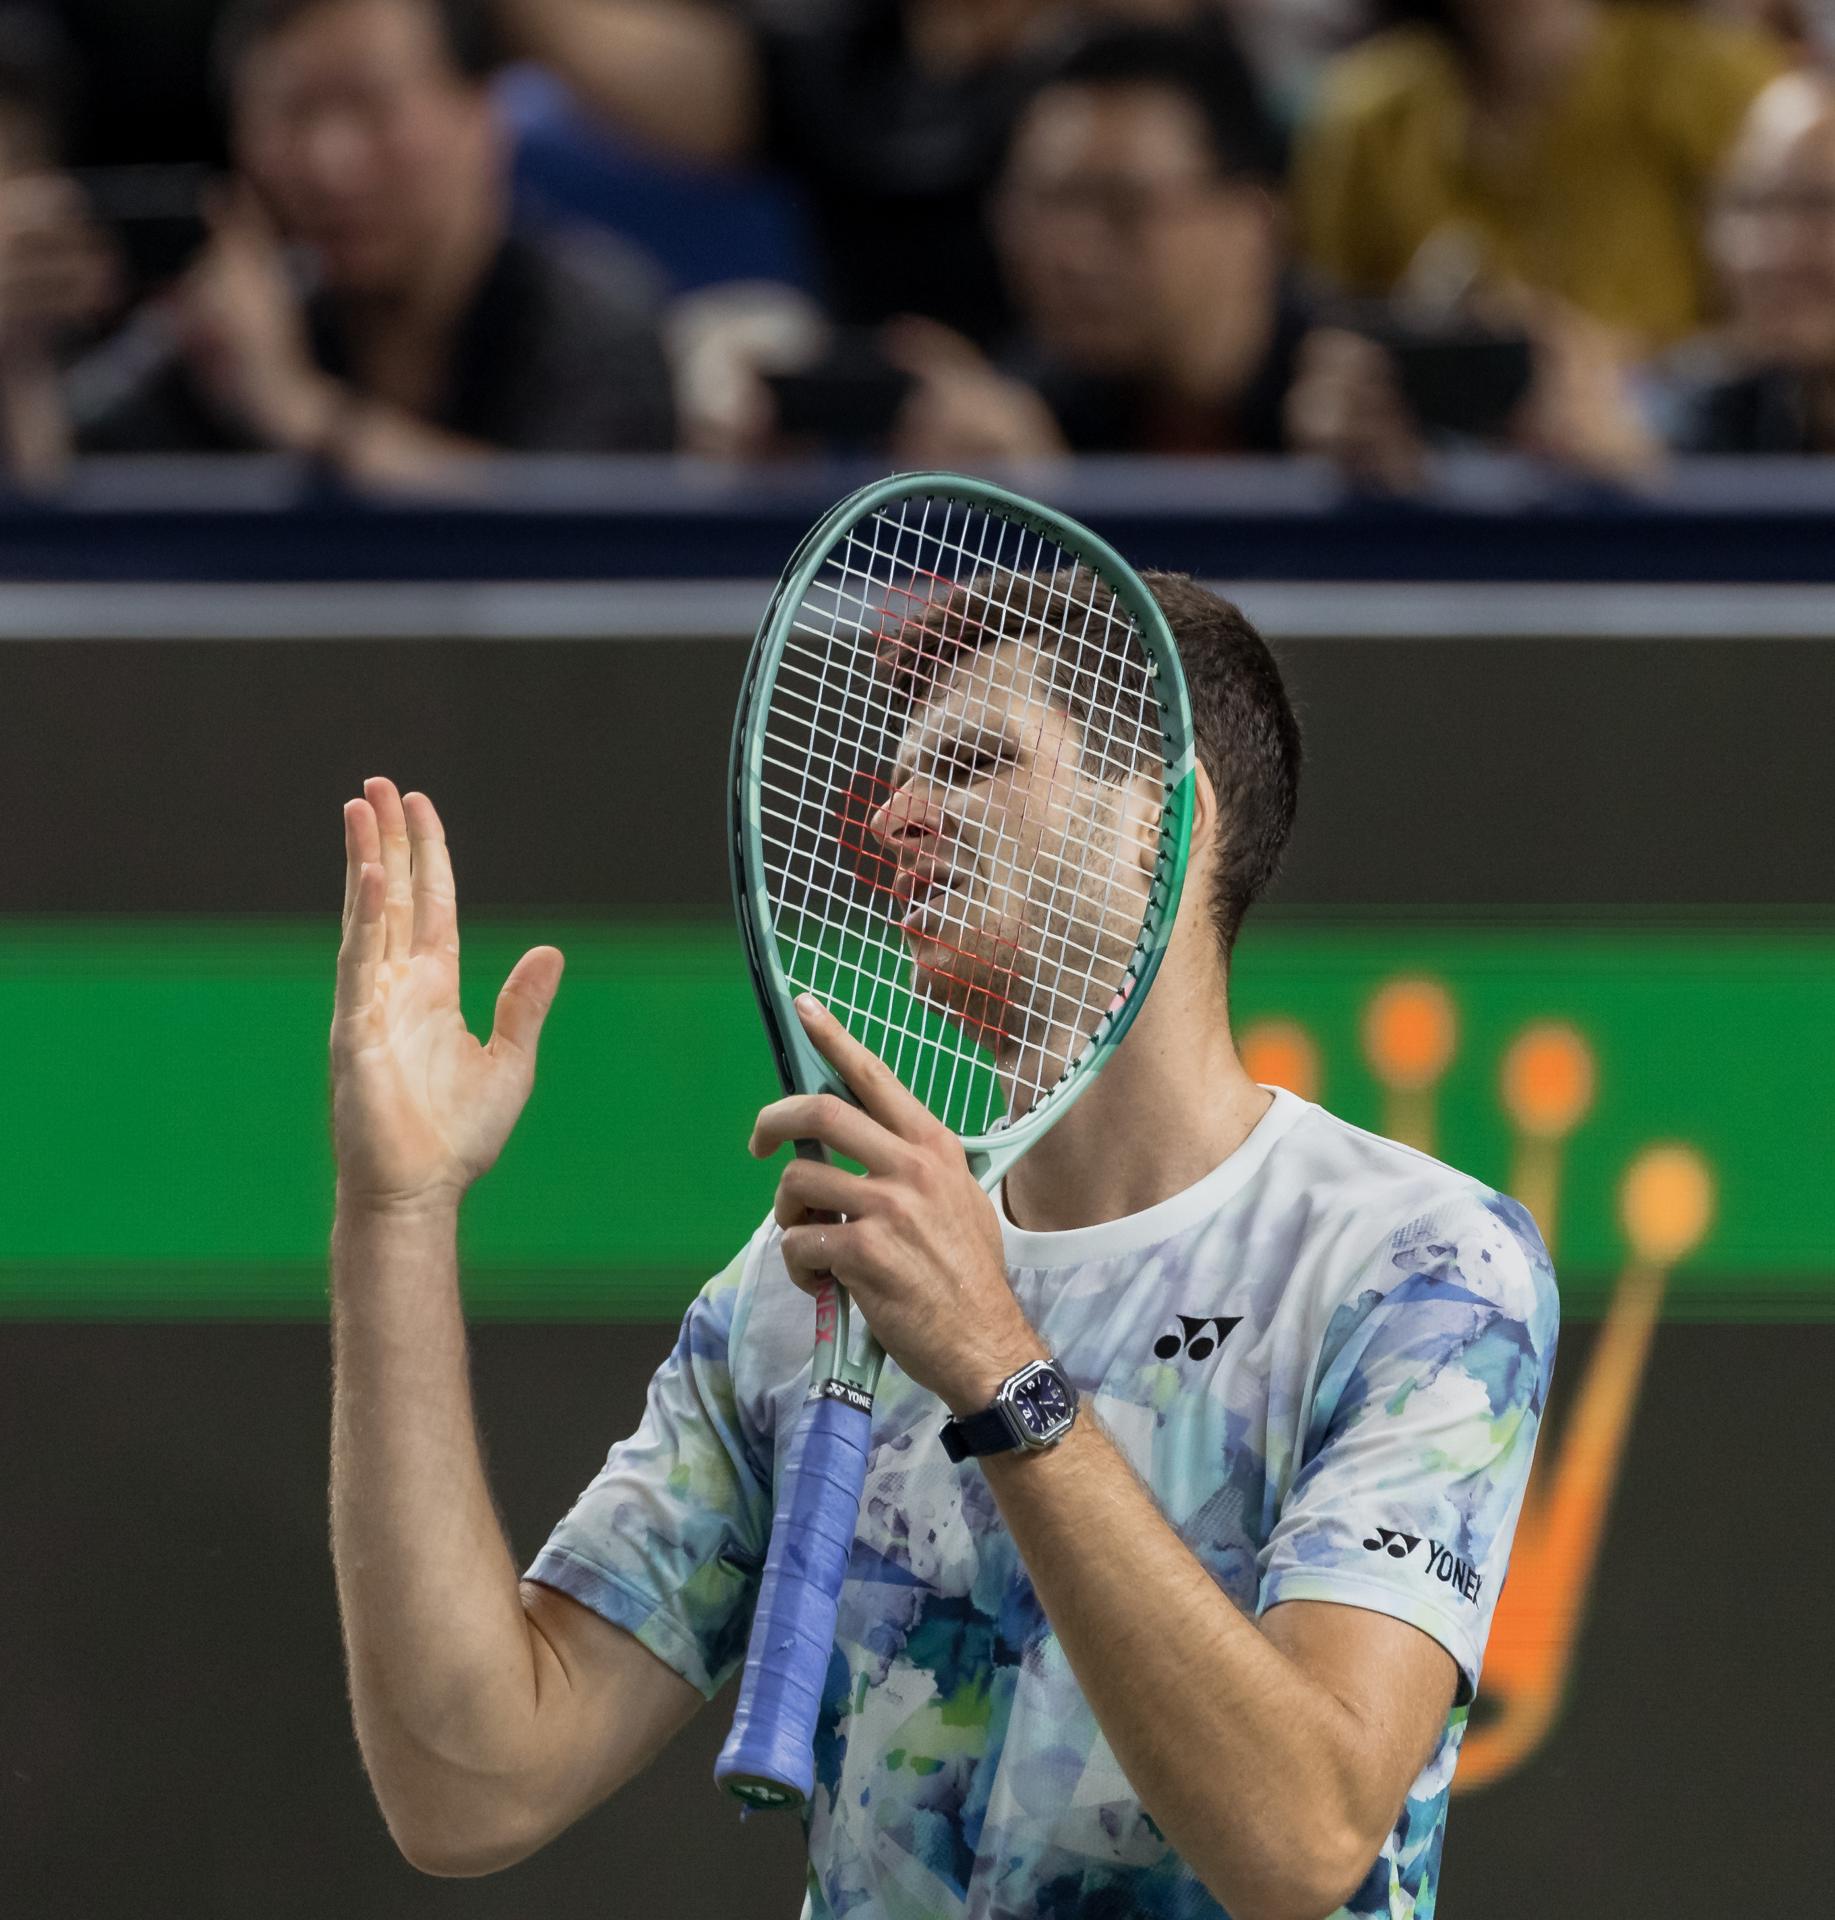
(1563, 145)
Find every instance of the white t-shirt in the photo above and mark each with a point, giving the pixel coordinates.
(1327, 1359)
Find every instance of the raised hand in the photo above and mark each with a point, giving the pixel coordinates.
(419, 1108)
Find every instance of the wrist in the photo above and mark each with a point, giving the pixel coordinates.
(305, 414)
(981, 1378)
(427, 1207)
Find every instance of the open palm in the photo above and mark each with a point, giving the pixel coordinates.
(419, 1107)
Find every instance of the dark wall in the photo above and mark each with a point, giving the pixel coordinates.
(209, 777)
(174, 1738)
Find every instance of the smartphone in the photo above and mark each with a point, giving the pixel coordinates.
(848, 398)
(1467, 382)
(157, 217)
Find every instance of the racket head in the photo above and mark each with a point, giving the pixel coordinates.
(924, 611)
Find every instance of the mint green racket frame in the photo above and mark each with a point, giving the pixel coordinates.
(852, 1358)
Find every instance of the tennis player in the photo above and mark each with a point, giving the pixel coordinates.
(1194, 1471)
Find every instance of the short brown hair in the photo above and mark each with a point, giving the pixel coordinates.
(1242, 721)
(467, 28)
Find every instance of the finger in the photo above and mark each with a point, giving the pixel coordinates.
(397, 867)
(809, 1188)
(827, 1118)
(523, 1004)
(923, 346)
(813, 1252)
(233, 208)
(361, 948)
(361, 842)
(436, 911)
(878, 1089)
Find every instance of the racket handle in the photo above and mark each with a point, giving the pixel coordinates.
(769, 1758)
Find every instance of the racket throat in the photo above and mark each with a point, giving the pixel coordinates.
(847, 1359)
(846, 1391)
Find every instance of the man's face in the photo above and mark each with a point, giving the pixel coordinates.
(1117, 233)
(1018, 877)
(364, 138)
(1772, 233)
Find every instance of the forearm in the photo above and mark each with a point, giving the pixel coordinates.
(1239, 1756)
(370, 442)
(380, 446)
(681, 74)
(443, 1671)
(34, 422)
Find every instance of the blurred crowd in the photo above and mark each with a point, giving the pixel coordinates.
(1594, 232)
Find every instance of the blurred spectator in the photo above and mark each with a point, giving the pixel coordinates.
(57, 273)
(1765, 383)
(1144, 251)
(421, 329)
(891, 115)
(1143, 246)
(1565, 144)
(1376, 400)
(1806, 25)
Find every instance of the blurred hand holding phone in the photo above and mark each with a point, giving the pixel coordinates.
(847, 397)
(1455, 375)
(157, 217)
(59, 274)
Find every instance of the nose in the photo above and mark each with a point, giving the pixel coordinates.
(334, 153)
(907, 817)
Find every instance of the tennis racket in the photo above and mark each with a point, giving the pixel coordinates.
(960, 810)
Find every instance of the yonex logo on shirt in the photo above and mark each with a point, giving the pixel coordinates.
(1443, 1564)
(1399, 1545)
(1199, 1338)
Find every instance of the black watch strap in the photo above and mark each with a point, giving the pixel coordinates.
(1033, 1408)
(978, 1433)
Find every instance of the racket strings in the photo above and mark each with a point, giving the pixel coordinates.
(991, 1025)
(1026, 947)
(1040, 985)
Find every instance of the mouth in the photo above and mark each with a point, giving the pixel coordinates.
(926, 899)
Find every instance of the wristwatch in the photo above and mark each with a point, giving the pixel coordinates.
(1033, 1408)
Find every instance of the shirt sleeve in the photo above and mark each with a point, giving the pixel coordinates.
(669, 1539)
(1364, 187)
(1696, 82)
(1422, 1424)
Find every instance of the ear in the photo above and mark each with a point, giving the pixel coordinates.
(1204, 812)
(1146, 810)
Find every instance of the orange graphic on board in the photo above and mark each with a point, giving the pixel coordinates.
(1666, 1203)
(1547, 1091)
(1281, 1053)
(1410, 1032)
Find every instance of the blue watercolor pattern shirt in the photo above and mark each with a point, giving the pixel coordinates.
(1328, 1361)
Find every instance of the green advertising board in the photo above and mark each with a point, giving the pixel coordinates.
(168, 1152)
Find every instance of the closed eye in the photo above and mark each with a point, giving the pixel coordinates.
(971, 764)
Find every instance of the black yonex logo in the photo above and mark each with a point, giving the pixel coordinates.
(1199, 1339)
(1443, 1564)
(1397, 1545)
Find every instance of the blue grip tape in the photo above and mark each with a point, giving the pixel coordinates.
(769, 1756)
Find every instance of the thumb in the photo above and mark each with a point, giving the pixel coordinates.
(234, 209)
(523, 1004)
(924, 347)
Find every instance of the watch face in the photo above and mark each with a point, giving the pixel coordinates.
(1042, 1404)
